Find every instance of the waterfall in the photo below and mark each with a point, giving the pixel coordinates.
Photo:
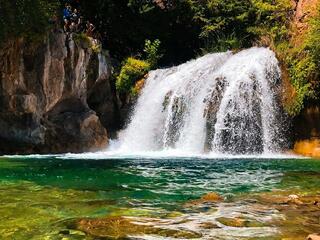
(221, 102)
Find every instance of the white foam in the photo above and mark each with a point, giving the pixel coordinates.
(221, 102)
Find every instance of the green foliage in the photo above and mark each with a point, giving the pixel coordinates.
(152, 50)
(221, 43)
(222, 17)
(312, 43)
(229, 24)
(304, 68)
(82, 40)
(300, 70)
(131, 71)
(141, 6)
(134, 69)
(272, 18)
(25, 18)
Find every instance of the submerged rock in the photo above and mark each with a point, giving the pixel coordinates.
(121, 227)
(207, 198)
(300, 212)
(212, 197)
(112, 227)
(239, 222)
(209, 225)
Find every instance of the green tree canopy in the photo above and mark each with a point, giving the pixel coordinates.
(26, 18)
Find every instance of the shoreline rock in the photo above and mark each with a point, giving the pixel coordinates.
(44, 92)
(308, 148)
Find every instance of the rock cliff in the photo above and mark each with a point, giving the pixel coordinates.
(48, 95)
(306, 126)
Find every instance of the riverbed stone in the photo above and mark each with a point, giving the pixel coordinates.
(210, 198)
(209, 225)
(313, 237)
(239, 222)
(122, 227)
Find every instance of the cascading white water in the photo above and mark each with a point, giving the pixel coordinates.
(222, 102)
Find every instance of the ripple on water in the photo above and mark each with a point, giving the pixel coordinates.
(41, 196)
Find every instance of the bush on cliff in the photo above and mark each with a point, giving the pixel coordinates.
(152, 50)
(134, 69)
(131, 71)
(303, 63)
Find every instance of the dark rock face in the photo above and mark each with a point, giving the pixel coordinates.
(44, 92)
(307, 124)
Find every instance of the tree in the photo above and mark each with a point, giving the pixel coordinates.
(26, 18)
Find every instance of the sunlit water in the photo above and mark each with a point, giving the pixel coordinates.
(41, 195)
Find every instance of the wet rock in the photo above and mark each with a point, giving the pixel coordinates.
(174, 214)
(293, 196)
(205, 199)
(121, 227)
(101, 96)
(301, 213)
(213, 102)
(183, 234)
(294, 199)
(316, 203)
(209, 225)
(112, 227)
(166, 100)
(232, 222)
(277, 199)
(65, 129)
(313, 237)
(239, 222)
(212, 197)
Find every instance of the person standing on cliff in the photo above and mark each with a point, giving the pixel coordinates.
(90, 29)
(67, 12)
(75, 16)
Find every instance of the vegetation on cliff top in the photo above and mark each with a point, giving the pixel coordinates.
(299, 53)
(303, 63)
(25, 18)
(134, 69)
(186, 28)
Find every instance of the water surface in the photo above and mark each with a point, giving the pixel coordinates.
(42, 197)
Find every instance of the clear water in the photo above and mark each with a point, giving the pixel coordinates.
(40, 196)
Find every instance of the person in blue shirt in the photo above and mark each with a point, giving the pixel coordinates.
(67, 12)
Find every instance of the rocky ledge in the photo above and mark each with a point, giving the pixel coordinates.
(55, 96)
